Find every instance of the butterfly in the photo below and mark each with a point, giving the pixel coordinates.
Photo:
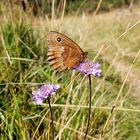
(63, 52)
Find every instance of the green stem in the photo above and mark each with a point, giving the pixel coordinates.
(51, 118)
(89, 109)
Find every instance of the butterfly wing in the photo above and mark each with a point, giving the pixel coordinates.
(63, 53)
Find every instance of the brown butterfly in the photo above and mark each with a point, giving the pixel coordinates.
(63, 53)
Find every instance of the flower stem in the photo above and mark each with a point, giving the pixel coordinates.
(89, 109)
(51, 118)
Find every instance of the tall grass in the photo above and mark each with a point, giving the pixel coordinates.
(23, 67)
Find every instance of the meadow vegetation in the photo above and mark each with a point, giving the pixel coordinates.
(112, 39)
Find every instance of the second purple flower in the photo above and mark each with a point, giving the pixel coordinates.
(43, 92)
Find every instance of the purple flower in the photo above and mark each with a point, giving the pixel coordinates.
(43, 92)
(89, 68)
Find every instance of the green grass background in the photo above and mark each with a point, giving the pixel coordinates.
(110, 39)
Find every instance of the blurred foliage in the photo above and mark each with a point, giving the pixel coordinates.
(41, 7)
(17, 38)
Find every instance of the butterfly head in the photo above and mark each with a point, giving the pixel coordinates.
(85, 55)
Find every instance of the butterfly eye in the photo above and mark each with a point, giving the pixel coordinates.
(58, 39)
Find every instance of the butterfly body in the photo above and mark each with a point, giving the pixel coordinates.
(63, 53)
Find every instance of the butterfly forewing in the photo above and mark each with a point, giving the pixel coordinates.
(63, 53)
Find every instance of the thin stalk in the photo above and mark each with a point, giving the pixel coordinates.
(89, 109)
(51, 118)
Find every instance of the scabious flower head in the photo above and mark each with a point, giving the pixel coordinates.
(43, 92)
(89, 68)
